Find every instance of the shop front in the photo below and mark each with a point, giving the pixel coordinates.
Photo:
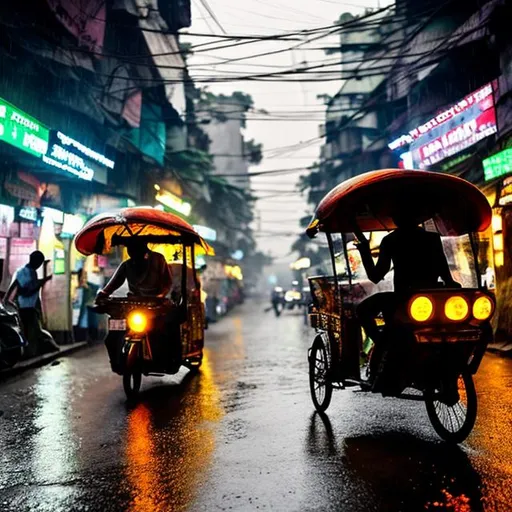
(47, 177)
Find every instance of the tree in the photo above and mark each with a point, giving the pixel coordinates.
(253, 151)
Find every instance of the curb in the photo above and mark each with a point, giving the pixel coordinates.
(42, 360)
(503, 349)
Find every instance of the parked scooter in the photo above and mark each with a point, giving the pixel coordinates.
(12, 342)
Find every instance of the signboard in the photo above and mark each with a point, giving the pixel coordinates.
(27, 213)
(73, 157)
(459, 134)
(483, 95)
(206, 232)
(506, 192)
(59, 261)
(498, 165)
(173, 202)
(21, 130)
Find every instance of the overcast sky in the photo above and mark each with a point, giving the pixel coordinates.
(277, 224)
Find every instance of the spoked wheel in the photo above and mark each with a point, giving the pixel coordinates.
(131, 383)
(319, 382)
(452, 408)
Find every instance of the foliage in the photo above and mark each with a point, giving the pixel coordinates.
(253, 151)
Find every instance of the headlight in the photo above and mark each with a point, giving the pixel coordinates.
(456, 308)
(482, 308)
(421, 309)
(137, 321)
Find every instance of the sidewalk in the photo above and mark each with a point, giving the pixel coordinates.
(502, 348)
(38, 361)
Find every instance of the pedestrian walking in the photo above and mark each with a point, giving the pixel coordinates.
(25, 289)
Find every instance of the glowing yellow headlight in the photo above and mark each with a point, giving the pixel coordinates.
(482, 308)
(421, 309)
(456, 308)
(137, 321)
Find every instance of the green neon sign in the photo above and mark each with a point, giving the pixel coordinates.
(21, 130)
(498, 165)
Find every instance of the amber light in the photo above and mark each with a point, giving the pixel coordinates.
(137, 322)
(456, 308)
(483, 308)
(421, 308)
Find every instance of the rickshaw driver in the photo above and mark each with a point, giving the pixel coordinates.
(148, 275)
(146, 271)
(419, 261)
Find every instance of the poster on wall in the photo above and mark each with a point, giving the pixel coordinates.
(21, 248)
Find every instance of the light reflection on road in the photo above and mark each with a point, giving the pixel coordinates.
(54, 445)
(170, 442)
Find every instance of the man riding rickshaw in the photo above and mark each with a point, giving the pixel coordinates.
(431, 332)
(159, 326)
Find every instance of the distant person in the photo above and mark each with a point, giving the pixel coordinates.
(25, 289)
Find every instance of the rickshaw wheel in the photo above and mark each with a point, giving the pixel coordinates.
(319, 384)
(132, 380)
(453, 417)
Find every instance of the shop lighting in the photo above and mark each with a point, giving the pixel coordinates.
(206, 232)
(72, 224)
(173, 202)
(301, 264)
(56, 215)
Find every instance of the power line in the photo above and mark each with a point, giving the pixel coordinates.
(206, 5)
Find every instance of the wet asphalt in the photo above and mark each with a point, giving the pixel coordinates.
(242, 435)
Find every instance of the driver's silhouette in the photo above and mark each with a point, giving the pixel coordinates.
(418, 261)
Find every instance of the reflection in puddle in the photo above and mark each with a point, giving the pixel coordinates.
(53, 458)
(170, 442)
(490, 436)
(393, 471)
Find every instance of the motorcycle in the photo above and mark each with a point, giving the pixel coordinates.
(150, 335)
(12, 342)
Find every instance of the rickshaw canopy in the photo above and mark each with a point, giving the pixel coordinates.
(371, 199)
(107, 229)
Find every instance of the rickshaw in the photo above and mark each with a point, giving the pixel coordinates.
(435, 339)
(143, 332)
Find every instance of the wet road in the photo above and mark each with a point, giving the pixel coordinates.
(242, 436)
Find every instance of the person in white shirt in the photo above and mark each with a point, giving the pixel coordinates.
(25, 289)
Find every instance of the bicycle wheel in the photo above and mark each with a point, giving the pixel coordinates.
(319, 369)
(452, 408)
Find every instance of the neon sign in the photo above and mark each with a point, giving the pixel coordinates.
(454, 140)
(89, 153)
(21, 130)
(497, 165)
(71, 156)
(482, 98)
